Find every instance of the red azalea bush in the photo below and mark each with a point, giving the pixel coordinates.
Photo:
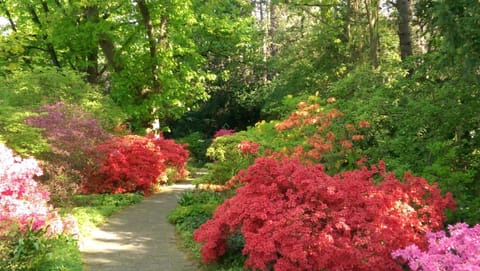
(297, 217)
(23, 203)
(175, 155)
(133, 163)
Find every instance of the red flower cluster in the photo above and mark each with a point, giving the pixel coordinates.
(133, 163)
(297, 217)
(174, 155)
(248, 147)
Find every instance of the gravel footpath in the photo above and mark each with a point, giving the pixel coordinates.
(139, 238)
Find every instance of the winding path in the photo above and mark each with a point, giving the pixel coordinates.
(139, 238)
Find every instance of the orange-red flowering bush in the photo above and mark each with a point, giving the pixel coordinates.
(322, 137)
(133, 163)
(175, 155)
(297, 217)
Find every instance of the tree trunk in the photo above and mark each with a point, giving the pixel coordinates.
(50, 49)
(404, 32)
(273, 28)
(9, 16)
(92, 15)
(372, 8)
(152, 43)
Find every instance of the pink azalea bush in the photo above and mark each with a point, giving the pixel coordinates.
(223, 132)
(23, 203)
(72, 134)
(459, 250)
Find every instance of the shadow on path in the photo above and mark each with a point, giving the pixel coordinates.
(138, 238)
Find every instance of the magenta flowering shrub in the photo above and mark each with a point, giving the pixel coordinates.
(459, 250)
(69, 129)
(223, 132)
(72, 135)
(23, 203)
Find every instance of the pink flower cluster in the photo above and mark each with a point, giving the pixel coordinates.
(223, 132)
(248, 147)
(23, 203)
(457, 251)
(68, 128)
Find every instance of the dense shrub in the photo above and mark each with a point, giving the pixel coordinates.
(426, 123)
(458, 251)
(69, 129)
(228, 158)
(29, 89)
(23, 92)
(197, 144)
(134, 163)
(175, 156)
(72, 134)
(22, 200)
(27, 221)
(297, 217)
(310, 133)
(193, 209)
(323, 137)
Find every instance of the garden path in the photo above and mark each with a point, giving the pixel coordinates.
(139, 238)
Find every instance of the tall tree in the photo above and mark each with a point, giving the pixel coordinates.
(372, 8)
(404, 30)
(122, 44)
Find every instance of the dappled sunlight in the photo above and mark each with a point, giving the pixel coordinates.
(138, 238)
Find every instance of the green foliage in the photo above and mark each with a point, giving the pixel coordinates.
(280, 108)
(195, 208)
(23, 92)
(325, 135)
(227, 158)
(422, 124)
(33, 251)
(454, 26)
(197, 144)
(15, 133)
